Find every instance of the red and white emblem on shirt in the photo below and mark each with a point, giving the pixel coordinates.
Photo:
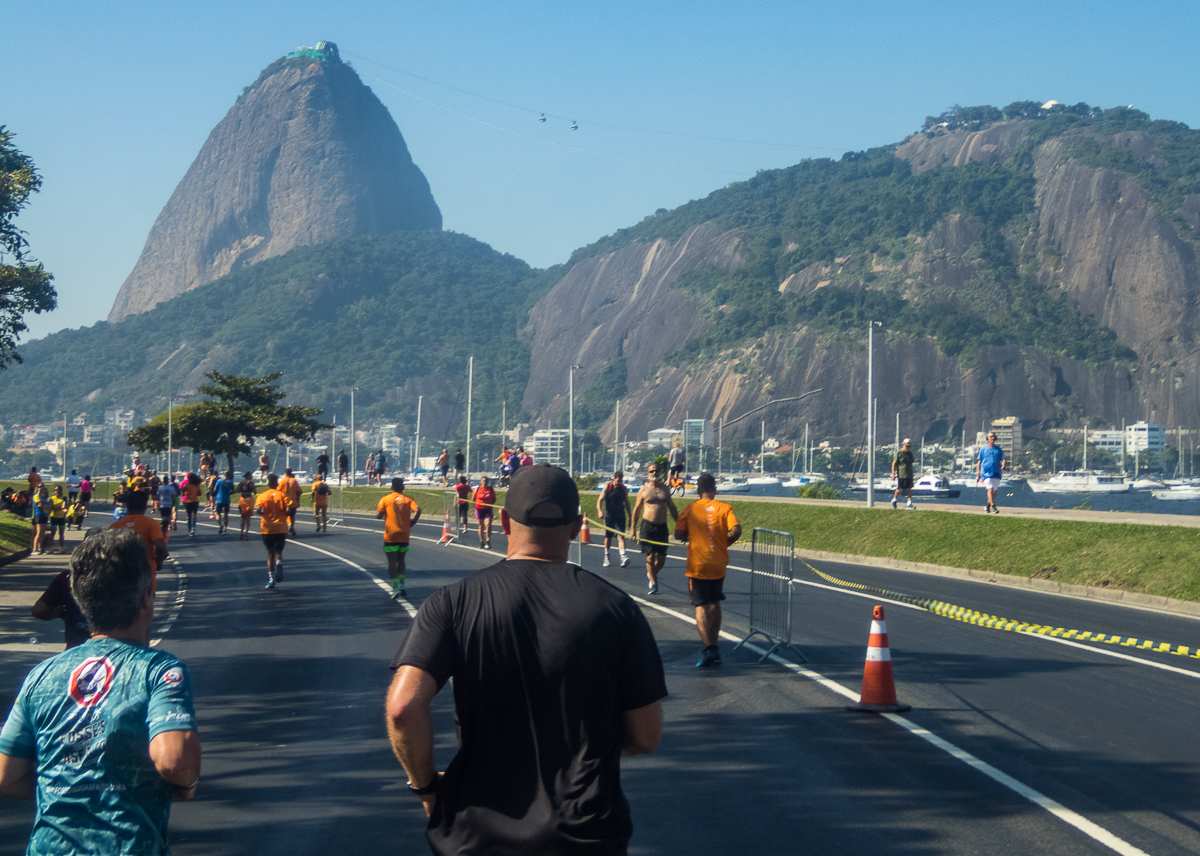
(90, 681)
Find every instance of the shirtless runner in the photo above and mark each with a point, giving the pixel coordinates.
(264, 465)
(655, 503)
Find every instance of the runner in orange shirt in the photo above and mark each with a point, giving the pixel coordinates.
(399, 514)
(147, 528)
(191, 501)
(708, 527)
(272, 505)
(291, 488)
(320, 498)
(246, 504)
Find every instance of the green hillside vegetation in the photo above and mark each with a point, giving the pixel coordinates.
(370, 313)
(859, 217)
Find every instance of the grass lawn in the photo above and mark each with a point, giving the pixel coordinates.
(14, 534)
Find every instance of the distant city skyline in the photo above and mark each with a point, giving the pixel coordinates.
(672, 102)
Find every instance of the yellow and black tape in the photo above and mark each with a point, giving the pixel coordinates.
(982, 619)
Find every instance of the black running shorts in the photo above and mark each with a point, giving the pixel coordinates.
(191, 507)
(904, 484)
(654, 532)
(274, 541)
(703, 592)
(617, 523)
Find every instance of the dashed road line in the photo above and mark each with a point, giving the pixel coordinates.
(180, 597)
(1072, 818)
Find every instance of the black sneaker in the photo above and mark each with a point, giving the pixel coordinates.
(279, 572)
(709, 657)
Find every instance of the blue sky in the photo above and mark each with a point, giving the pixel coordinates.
(673, 100)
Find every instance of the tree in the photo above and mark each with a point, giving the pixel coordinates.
(246, 408)
(25, 284)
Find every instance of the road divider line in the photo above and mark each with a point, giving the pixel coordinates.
(1072, 818)
(1045, 631)
(180, 596)
(408, 607)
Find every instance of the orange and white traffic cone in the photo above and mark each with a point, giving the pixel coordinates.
(878, 686)
(447, 531)
(585, 534)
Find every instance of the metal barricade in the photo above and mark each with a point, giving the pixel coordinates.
(450, 507)
(771, 554)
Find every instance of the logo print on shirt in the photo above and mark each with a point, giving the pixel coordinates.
(90, 681)
(172, 676)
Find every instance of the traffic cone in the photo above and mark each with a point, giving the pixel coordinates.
(878, 686)
(447, 532)
(585, 534)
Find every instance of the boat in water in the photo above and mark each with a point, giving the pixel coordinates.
(930, 485)
(975, 483)
(1145, 484)
(1080, 482)
(1178, 492)
(763, 481)
(804, 479)
(732, 486)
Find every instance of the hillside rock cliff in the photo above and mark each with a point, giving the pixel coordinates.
(306, 155)
(1094, 235)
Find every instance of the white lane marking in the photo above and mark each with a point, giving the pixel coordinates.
(1116, 654)
(408, 607)
(1092, 830)
(180, 596)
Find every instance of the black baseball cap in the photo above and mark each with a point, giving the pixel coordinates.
(543, 496)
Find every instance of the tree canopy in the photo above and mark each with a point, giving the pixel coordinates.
(24, 284)
(245, 409)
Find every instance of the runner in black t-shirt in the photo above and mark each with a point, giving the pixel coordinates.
(556, 674)
(613, 507)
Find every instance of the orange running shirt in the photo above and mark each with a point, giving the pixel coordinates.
(398, 514)
(191, 492)
(707, 523)
(148, 529)
(319, 500)
(291, 489)
(273, 506)
(246, 505)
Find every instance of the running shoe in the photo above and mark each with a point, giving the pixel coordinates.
(270, 582)
(910, 507)
(395, 593)
(488, 543)
(653, 589)
(624, 561)
(893, 503)
(279, 571)
(403, 591)
(709, 657)
(606, 563)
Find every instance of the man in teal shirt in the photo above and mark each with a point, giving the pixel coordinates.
(104, 734)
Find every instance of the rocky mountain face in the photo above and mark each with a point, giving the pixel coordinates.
(306, 155)
(1095, 236)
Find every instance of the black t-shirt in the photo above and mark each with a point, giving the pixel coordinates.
(323, 461)
(343, 462)
(545, 658)
(460, 462)
(615, 501)
(58, 593)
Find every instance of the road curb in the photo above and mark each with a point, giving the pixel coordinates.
(1120, 597)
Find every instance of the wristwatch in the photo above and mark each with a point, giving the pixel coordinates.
(428, 789)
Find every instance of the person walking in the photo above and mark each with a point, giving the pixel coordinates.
(990, 469)
(73, 483)
(41, 519)
(709, 527)
(222, 497)
(485, 501)
(85, 493)
(462, 503)
(443, 463)
(191, 501)
(654, 503)
(272, 506)
(556, 675)
(167, 494)
(248, 491)
(612, 506)
(902, 472)
(460, 463)
(343, 464)
(291, 489)
(320, 498)
(58, 520)
(323, 464)
(399, 514)
(264, 465)
(104, 734)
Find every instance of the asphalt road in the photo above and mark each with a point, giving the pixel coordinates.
(755, 757)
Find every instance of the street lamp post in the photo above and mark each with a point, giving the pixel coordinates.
(571, 426)
(470, 382)
(353, 448)
(64, 413)
(871, 413)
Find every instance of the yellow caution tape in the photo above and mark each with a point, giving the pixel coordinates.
(982, 619)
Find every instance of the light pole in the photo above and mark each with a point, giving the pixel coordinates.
(571, 425)
(353, 448)
(64, 413)
(871, 413)
(470, 382)
(417, 449)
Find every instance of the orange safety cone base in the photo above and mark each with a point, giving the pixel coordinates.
(878, 686)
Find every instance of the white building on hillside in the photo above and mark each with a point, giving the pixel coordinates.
(662, 436)
(551, 446)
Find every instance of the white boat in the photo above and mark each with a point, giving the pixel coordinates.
(732, 486)
(928, 485)
(975, 483)
(1144, 484)
(1181, 491)
(763, 481)
(1080, 482)
(804, 479)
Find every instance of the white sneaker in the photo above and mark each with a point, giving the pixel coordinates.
(911, 507)
(624, 561)
(606, 562)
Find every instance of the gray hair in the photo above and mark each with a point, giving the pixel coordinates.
(109, 572)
